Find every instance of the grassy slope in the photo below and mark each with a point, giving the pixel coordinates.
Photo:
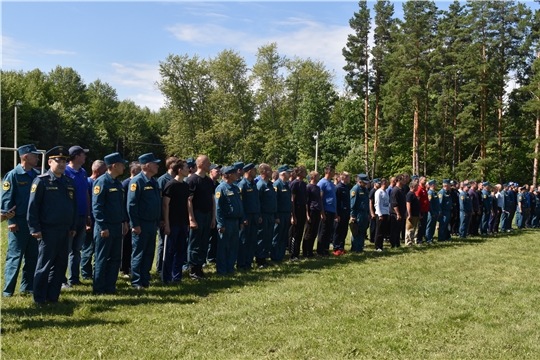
(471, 299)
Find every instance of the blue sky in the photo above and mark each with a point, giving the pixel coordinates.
(121, 43)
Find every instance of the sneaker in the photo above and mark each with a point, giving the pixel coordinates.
(379, 250)
(337, 252)
(343, 252)
(66, 287)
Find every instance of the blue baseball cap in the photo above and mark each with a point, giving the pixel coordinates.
(446, 181)
(27, 149)
(191, 162)
(228, 170)
(486, 183)
(146, 158)
(238, 165)
(250, 166)
(214, 166)
(432, 182)
(283, 168)
(415, 177)
(114, 158)
(377, 181)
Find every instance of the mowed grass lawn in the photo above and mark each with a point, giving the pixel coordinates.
(473, 299)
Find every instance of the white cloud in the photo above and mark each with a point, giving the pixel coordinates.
(137, 82)
(10, 50)
(294, 36)
(59, 52)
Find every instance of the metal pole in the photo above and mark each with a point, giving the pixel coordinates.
(15, 138)
(316, 149)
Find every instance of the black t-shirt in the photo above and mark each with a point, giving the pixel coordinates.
(298, 188)
(415, 204)
(397, 199)
(314, 197)
(372, 198)
(202, 190)
(178, 192)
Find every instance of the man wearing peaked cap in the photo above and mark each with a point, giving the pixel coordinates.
(284, 209)
(445, 200)
(522, 211)
(239, 167)
(487, 208)
(52, 219)
(214, 174)
(192, 166)
(359, 212)
(252, 211)
(434, 213)
(111, 224)
(268, 204)
(15, 195)
(144, 211)
(230, 219)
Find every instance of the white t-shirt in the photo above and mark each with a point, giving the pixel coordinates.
(382, 203)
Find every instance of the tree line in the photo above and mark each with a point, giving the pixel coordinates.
(443, 93)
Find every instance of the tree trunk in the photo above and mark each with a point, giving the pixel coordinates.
(415, 159)
(366, 117)
(376, 130)
(536, 150)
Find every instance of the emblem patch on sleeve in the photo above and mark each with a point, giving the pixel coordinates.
(71, 194)
(218, 195)
(133, 187)
(353, 193)
(33, 189)
(6, 186)
(97, 189)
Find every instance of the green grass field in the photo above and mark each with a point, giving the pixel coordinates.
(473, 299)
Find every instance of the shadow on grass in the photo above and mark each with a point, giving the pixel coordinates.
(78, 308)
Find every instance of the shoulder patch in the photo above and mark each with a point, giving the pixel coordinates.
(97, 189)
(429, 197)
(133, 187)
(218, 194)
(353, 193)
(240, 189)
(275, 188)
(440, 196)
(462, 197)
(6, 186)
(33, 189)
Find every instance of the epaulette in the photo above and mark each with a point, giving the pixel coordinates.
(43, 175)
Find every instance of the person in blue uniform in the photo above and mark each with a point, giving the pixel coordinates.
(343, 207)
(162, 181)
(536, 219)
(465, 210)
(512, 197)
(522, 211)
(125, 267)
(328, 194)
(21, 245)
(474, 222)
(52, 219)
(487, 208)
(284, 209)
(445, 200)
(111, 224)
(215, 173)
(434, 214)
(74, 170)
(229, 220)
(360, 212)
(505, 209)
(239, 166)
(268, 203)
(252, 211)
(144, 211)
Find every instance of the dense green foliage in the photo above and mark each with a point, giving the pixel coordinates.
(450, 93)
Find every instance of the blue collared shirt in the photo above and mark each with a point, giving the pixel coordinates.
(81, 187)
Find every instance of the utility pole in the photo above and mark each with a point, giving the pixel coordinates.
(316, 137)
(15, 161)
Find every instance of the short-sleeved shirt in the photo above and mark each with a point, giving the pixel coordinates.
(329, 195)
(298, 189)
(178, 193)
(202, 189)
(412, 199)
(81, 187)
(422, 195)
(397, 199)
(314, 197)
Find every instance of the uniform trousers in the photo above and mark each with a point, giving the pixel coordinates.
(248, 241)
(264, 235)
(199, 239)
(504, 221)
(22, 247)
(326, 229)
(51, 264)
(444, 233)
(372, 230)
(521, 217)
(464, 220)
(87, 252)
(310, 233)
(382, 230)
(297, 231)
(358, 241)
(227, 250)
(431, 224)
(212, 245)
(75, 246)
(341, 229)
(108, 255)
(142, 255)
(175, 253)
(281, 236)
(484, 227)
